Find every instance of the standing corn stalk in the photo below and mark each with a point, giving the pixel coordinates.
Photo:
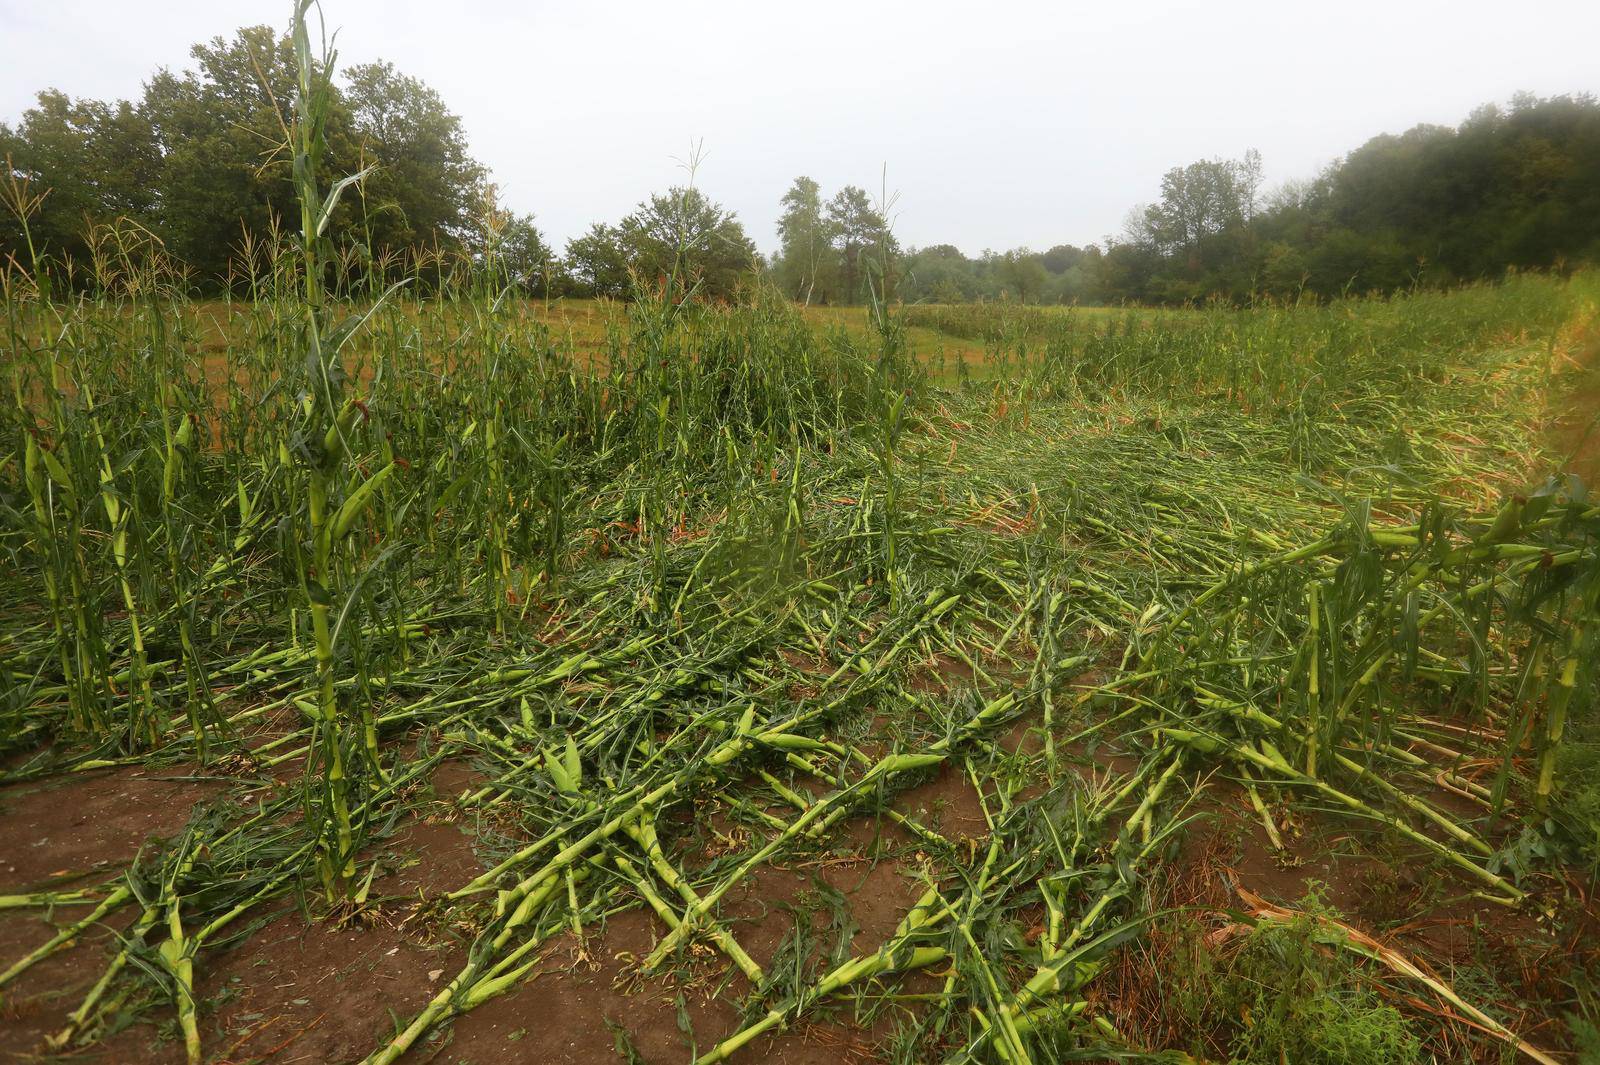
(324, 445)
(122, 518)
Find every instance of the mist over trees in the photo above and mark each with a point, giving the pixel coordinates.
(198, 164)
(1510, 188)
(1514, 187)
(941, 273)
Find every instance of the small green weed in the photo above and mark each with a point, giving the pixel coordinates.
(1285, 992)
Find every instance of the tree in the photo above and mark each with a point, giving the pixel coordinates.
(225, 164)
(682, 234)
(1247, 175)
(201, 159)
(1061, 258)
(97, 160)
(1127, 270)
(860, 234)
(806, 240)
(598, 261)
(1022, 273)
(424, 178)
(528, 260)
(1084, 281)
(1283, 270)
(940, 273)
(1199, 201)
(1201, 229)
(506, 244)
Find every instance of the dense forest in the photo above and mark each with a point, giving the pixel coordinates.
(196, 170)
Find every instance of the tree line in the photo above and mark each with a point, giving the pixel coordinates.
(1515, 187)
(200, 163)
(198, 167)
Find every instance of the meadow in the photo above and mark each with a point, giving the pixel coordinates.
(468, 679)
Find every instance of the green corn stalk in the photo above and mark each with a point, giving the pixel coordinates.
(143, 728)
(329, 523)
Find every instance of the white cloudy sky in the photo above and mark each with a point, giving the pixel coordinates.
(1000, 123)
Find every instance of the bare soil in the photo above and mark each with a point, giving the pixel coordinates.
(303, 987)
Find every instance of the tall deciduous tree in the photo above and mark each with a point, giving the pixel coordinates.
(598, 261)
(806, 242)
(681, 233)
(225, 163)
(424, 177)
(1023, 274)
(1201, 200)
(201, 158)
(99, 162)
(859, 233)
(529, 261)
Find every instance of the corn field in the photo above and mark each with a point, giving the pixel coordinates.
(1283, 566)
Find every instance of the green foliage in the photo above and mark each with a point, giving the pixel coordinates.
(1200, 202)
(743, 571)
(598, 262)
(201, 161)
(1284, 992)
(524, 258)
(1064, 274)
(683, 235)
(1512, 188)
(715, 575)
(679, 235)
(1577, 805)
(421, 189)
(838, 251)
(804, 256)
(99, 161)
(199, 164)
(862, 242)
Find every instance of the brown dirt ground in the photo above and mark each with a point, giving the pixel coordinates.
(301, 990)
(298, 990)
(66, 833)
(1387, 888)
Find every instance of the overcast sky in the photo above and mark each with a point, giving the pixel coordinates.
(1000, 123)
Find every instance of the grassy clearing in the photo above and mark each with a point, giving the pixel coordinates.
(752, 580)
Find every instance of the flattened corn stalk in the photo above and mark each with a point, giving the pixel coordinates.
(702, 569)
